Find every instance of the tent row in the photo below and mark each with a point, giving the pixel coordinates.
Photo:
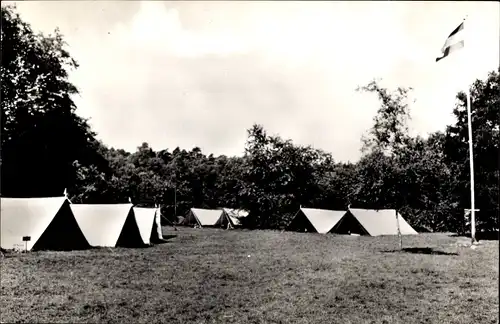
(353, 221)
(56, 224)
(223, 217)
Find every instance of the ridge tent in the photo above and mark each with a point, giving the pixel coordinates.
(49, 222)
(373, 222)
(148, 221)
(315, 220)
(202, 217)
(230, 217)
(108, 225)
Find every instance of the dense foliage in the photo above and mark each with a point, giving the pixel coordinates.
(41, 134)
(46, 148)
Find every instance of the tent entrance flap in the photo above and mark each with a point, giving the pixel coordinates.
(349, 225)
(191, 219)
(301, 223)
(63, 233)
(130, 235)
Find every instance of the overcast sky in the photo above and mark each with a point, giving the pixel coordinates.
(201, 73)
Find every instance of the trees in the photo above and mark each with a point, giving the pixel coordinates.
(428, 181)
(485, 110)
(336, 186)
(279, 177)
(381, 181)
(429, 178)
(41, 134)
(261, 177)
(390, 128)
(413, 175)
(46, 147)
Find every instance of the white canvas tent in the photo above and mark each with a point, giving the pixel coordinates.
(231, 218)
(202, 217)
(373, 222)
(108, 225)
(48, 222)
(315, 220)
(148, 221)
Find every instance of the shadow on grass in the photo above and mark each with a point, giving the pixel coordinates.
(481, 236)
(430, 251)
(166, 239)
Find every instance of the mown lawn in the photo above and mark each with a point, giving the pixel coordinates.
(217, 276)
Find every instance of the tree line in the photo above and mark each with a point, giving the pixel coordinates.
(47, 147)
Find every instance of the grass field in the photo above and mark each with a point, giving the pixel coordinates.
(217, 276)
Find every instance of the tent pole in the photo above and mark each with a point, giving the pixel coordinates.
(399, 231)
(175, 200)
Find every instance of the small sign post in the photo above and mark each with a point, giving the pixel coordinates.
(26, 239)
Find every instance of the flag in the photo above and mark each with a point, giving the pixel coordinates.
(453, 43)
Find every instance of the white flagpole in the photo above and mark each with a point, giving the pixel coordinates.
(469, 124)
(466, 60)
(471, 164)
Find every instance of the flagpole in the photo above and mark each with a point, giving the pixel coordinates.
(451, 45)
(471, 143)
(471, 164)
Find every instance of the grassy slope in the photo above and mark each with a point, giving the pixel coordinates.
(206, 276)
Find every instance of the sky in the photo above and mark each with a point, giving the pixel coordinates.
(201, 73)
